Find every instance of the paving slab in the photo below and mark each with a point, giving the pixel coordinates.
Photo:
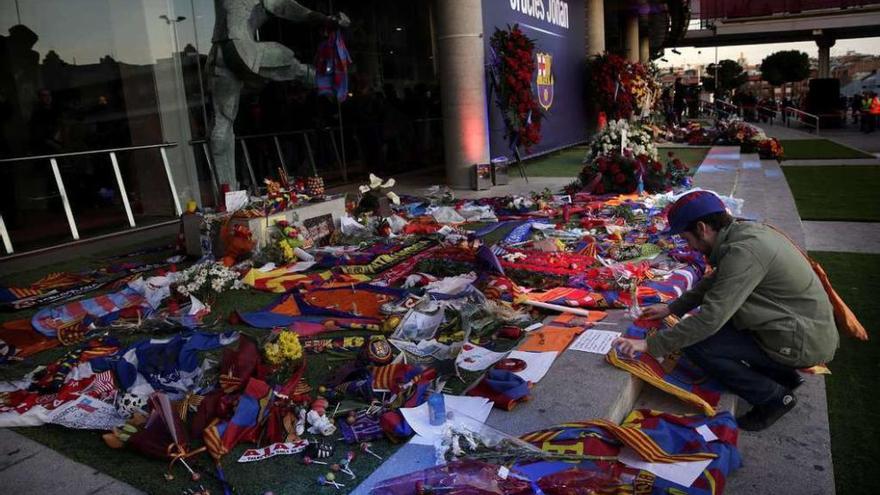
(792, 457)
(843, 237)
(30, 467)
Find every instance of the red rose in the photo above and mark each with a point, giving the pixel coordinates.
(615, 168)
(657, 167)
(602, 166)
(619, 178)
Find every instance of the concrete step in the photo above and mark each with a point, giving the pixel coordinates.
(30, 467)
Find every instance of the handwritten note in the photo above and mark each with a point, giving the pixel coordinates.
(596, 341)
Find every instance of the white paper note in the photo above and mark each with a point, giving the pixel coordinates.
(595, 341)
(706, 433)
(683, 473)
(477, 408)
(537, 364)
(475, 358)
(236, 200)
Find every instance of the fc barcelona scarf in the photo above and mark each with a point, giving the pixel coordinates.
(331, 66)
(105, 307)
(678, 377)
(60, 286)
(655, 436)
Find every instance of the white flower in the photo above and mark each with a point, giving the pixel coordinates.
(364, 189)
(393, 197)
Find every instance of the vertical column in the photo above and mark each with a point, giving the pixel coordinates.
(644, 49)
(825, 45)
(631, 36)
(595, 28)
(459, 26)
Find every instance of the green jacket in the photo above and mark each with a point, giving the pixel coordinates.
(762, 284)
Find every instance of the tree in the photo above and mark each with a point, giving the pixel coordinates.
(730, 76)
(785, 66)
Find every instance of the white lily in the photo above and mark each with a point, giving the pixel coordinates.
(364, 189)
(393, 197)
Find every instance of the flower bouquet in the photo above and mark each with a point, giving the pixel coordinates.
(283, 241)
(207, 279)
(513, 65)
(610, 85)
(614, 173)
(639, 140)
(770, 148)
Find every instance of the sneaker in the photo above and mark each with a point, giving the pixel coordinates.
(763, 416)
(791, 382)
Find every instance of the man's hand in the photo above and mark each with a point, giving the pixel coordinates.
(629, 347)
(655, 312)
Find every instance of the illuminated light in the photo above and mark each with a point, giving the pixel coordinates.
(473, 139)
(398, 28)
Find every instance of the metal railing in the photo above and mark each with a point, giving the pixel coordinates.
(771, 113)
(204, 145)
(801, 115)
(62, 191)
(719, 108)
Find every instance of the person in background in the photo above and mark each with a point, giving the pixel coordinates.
(855, 104)
(874, 112)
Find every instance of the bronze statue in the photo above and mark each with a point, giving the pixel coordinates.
(236, 56)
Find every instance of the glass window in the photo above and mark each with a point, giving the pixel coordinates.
(86, 76)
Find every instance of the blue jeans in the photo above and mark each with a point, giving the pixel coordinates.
(735, 359)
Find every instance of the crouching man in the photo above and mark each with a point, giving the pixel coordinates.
(763, 312)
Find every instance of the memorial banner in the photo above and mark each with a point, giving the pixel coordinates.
(557, 27)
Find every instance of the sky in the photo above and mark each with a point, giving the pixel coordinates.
(755, 53)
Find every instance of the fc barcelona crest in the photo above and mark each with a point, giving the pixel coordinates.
(545, 80)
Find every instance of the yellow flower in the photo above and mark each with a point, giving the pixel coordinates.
(273, 354)
(291, 348)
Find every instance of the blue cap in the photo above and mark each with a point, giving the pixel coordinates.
(692, 207)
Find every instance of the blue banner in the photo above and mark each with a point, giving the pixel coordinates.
(557, 27)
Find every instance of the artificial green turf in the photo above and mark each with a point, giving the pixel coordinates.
(569, 162)
(836, 193)
(818, 149)
(853, 403)
(565, 163)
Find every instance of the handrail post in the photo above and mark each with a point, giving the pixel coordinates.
(7, 243)
(280, 155)
(170, 178)
(122, 192)
(64, 200)
(255, 189)
(215, 187)
(305, 136)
